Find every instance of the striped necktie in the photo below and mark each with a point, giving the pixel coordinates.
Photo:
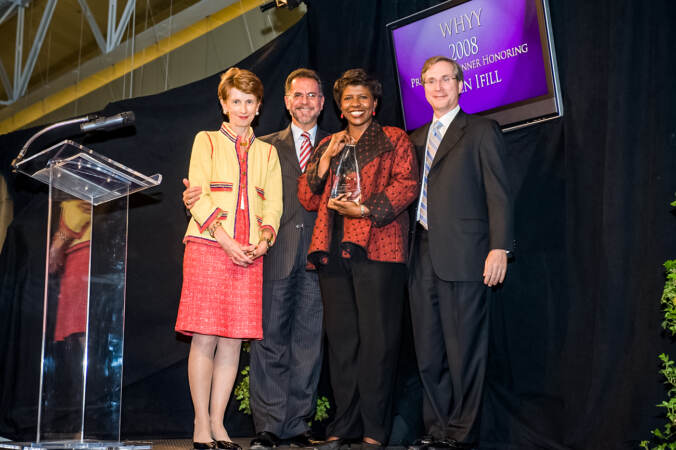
(432, 147)
(305, 150)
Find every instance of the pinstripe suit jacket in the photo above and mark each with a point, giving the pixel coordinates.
(296, 222)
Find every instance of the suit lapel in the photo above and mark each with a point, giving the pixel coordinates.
(287, 149)
(453, 134)
(420, 142)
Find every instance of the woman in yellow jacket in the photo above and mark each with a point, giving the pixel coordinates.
(233, 224)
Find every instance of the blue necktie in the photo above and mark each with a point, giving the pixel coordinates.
(432, 147)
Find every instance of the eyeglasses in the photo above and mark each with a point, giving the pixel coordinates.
(445, 80)
(300, 95)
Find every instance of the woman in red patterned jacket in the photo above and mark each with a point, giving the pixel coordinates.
(359, 249)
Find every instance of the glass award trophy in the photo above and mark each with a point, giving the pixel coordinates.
(346, 181)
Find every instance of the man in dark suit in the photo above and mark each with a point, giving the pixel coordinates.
(462, 235)
(286, 364)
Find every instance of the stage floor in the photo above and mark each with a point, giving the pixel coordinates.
(185, 444)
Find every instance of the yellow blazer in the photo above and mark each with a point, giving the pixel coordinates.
(215, 167)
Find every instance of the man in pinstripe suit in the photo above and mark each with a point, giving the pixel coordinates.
(286, 364)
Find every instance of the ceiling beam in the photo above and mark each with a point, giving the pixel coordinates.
(35, 48)
(22, 73)
(91, 20)
(115, 31)
(18, 54)
(8, 13)
(122, 68)
(116, 38)
(5, 79)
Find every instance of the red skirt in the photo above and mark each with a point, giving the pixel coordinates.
(218, 297)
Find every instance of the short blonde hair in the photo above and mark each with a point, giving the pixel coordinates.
(242, 79)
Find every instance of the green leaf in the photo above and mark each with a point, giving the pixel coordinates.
(665, 437)
(242, 392)
(321, 411)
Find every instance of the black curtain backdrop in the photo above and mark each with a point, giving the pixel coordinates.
(576, 327)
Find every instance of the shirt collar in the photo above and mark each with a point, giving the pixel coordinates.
(297, 134)
(446, 119)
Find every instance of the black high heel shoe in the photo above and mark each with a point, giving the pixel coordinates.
(203, 445)
(228, 445)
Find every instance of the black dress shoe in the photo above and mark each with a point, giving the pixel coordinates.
(452, 444)
(429, 443)
(421, 443)
(203, 445)
(264, 441)
(303, 440)
(228, 445)
(443, 444)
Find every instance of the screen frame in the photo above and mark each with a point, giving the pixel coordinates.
(529, 112)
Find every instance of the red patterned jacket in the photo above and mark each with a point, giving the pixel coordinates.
(388, 169)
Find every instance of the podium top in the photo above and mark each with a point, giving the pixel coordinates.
(85, 174)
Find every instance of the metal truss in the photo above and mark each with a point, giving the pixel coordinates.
(23, 72)
(114, 34)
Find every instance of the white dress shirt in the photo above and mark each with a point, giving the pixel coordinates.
(298, 137)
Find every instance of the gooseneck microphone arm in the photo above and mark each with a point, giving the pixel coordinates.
(87, 123)
(24, 149)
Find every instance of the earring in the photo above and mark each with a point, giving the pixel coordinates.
(257, 113)
(374, 113)
(341, 115)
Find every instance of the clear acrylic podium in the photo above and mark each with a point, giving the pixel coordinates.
(80, 397)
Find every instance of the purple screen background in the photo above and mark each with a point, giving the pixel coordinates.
(500, 26)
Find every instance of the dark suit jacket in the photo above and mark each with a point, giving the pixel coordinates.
(279, 261)
(469, 200)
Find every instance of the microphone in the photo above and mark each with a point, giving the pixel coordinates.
(109, 123)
